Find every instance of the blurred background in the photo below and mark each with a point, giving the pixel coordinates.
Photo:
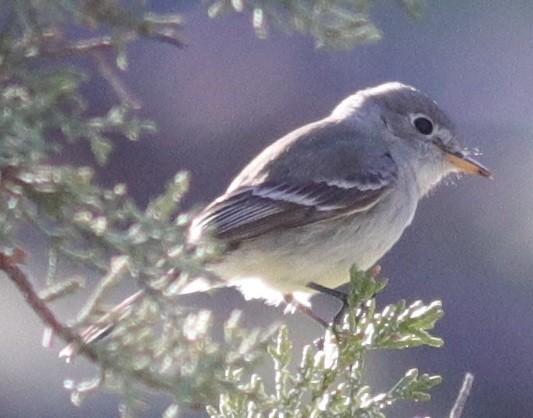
(227, 95)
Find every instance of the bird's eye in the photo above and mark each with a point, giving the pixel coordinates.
(423, 125)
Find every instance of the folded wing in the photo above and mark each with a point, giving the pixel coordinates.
(251, 211)
(318, 172)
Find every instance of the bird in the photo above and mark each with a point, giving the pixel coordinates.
(332, 194)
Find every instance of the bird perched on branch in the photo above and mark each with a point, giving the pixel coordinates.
(334, 193)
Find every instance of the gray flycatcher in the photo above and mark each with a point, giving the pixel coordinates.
(333, 193)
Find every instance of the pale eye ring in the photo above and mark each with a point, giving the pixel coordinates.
(423, 124)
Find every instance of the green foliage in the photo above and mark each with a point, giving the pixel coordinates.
(331, 381)
(337, 24)
(396, 326)
(152, 341)
(41, 106)
(175, 354)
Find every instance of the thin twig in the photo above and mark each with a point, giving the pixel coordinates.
(51, 47)
(168, 36)
(127, 98)
(85, 46)
(460, 402)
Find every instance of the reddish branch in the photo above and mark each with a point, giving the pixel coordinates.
(17, 276)
(8, 264)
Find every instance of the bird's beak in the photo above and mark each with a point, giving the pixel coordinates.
(466, 164)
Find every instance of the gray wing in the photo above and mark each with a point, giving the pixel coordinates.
(342, 175)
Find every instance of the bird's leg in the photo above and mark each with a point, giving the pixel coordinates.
(337, 294)
(289, 300)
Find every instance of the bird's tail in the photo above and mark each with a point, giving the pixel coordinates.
(107, 322)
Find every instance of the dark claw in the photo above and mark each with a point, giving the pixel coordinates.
(343, 297)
